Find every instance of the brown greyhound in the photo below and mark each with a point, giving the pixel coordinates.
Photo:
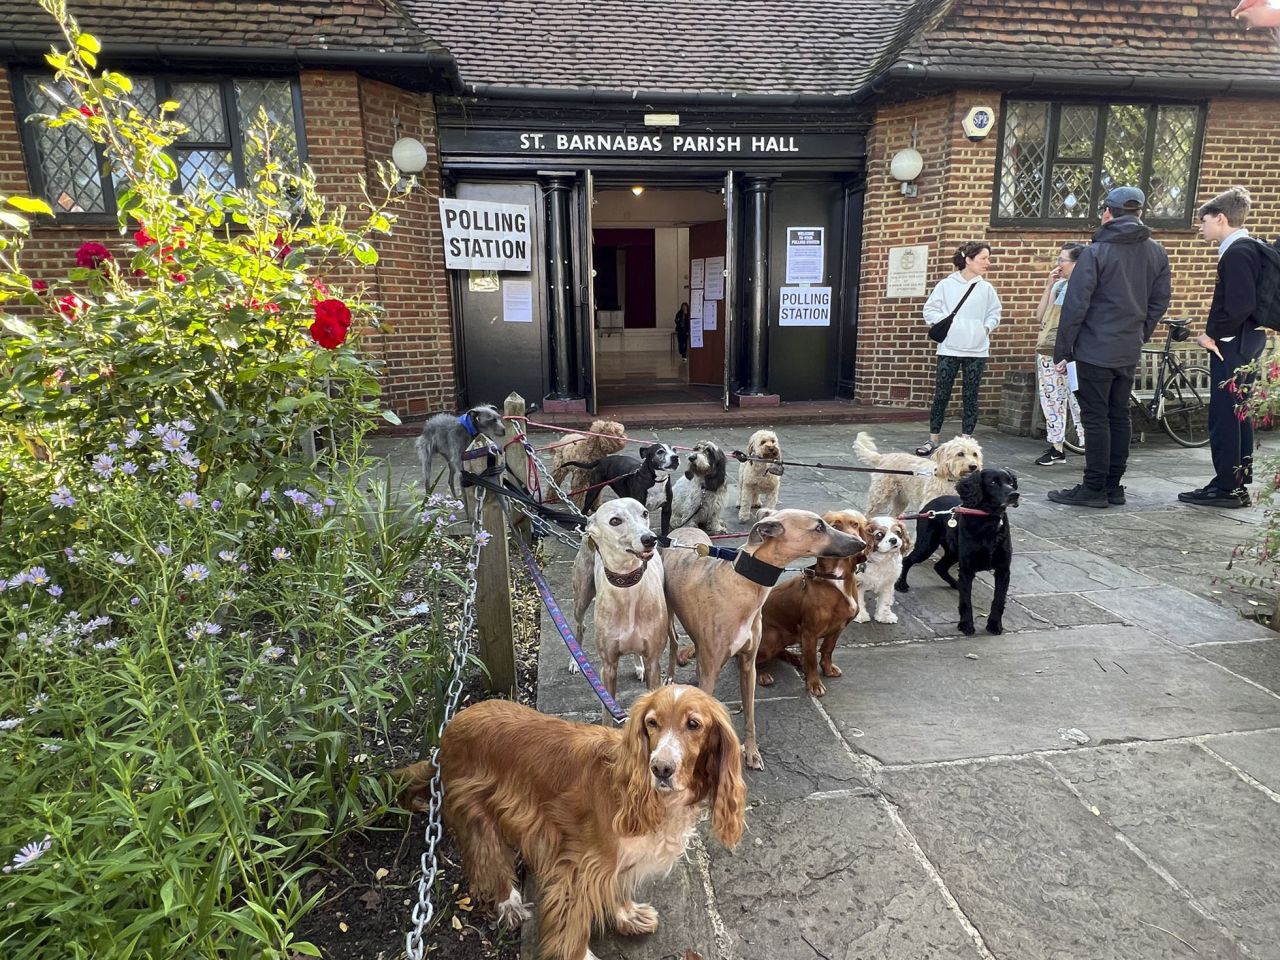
(718, 602)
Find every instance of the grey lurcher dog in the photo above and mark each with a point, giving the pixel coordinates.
(450, 434)
(720, 608)
(618, 568)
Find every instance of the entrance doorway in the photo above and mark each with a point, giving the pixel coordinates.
(650, 245)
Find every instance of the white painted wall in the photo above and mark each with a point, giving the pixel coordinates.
(671, 272)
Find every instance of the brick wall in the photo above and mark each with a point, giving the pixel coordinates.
(895, 357)
(349, 129)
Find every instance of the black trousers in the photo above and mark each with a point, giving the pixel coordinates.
(1103, 394)
(1230, 429)
(682, 341)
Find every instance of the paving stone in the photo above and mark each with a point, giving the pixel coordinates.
(938, 605)
(1064, 609)
(830, 878)
(1177, 615)
(1260, 662)
(801, 754)
(1193, 816)
(910, 626)
(1039, 875)
(1257, 754)
(1069, 571)
(1024, 541)
(928, 701)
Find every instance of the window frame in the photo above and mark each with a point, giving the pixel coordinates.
(1056, 103)
(164, 83)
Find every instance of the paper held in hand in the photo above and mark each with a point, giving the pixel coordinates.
(1073, 379)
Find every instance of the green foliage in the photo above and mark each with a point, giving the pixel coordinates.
(204, 635)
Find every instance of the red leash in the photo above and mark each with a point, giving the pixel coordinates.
(930, 514)
(560, 428)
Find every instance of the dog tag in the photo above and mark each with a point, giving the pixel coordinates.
(952, 522)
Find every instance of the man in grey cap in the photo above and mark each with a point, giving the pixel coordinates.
(1117, 295)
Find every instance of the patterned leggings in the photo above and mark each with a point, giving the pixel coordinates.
(1054, 399)
(948, 367)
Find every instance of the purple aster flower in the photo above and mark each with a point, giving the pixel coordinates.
(483, 537)
(186, 425)
(435, 566)
(132, 438)
(123, 559)
(113, 447)
(189, 460)
(297, 496)
(280, 553)
(317, 509)
(215, 505)
(471, 568)
(62, 498)
(38, 701)
(55, 591)
(128, 468)
(266, 495)
(158, 464)
(37, 576)
(11, 724)
(160, 429)
(29, 854)
(408, 597)
(190, 500)
(103, 465)
(330, 502)
(107, 644)
(51, 747)
(243, 568)
(227, 556)
(195, 572)
(134, 601)
(164, 550)
(173, 442)
(272, 653)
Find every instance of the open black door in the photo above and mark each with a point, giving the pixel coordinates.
(730, 261)
(584, 287)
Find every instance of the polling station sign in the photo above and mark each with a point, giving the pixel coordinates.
(479, 235)
(804, 307)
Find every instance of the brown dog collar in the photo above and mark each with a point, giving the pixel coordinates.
(757, 571)
(813, 574)
(627, 579)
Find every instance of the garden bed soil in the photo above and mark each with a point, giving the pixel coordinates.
(371, 877)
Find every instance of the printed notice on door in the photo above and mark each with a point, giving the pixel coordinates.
(806, 259)
(697, 270)
(715, 279)
(804, 307)
(709, 309)
(517, 301)
(908, 271)
(695, 332)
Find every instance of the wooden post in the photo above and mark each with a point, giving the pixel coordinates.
(495, 629)
(518, 459)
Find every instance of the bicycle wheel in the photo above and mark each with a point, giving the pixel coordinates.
(1072, 440)
(1184, 406)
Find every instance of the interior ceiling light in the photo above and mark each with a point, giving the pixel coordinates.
(637, 189)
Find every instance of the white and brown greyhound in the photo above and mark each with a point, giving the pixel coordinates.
(718, 602)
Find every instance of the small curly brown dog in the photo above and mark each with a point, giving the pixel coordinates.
(758, 481)
(578, 446)
(813, 609)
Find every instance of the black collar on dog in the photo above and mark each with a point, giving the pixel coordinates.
(757, 571)
(626, 579)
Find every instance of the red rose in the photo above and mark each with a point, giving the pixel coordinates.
(179, 278)
(282, 248)
(39, 286)
(142, 238)
(328, 333)
(93, 255)
(334, 311)
(320, 288)
(86, 111)
(70, 306)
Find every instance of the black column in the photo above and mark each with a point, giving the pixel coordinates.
(756, 313)
(560, 277)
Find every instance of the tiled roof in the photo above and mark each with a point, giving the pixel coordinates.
(707, 46)
(1150, 39)
(351, 25)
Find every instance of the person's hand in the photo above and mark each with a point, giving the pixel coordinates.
(1055, 274)
(1208, 343)
(1061, 367)
(1258, 13)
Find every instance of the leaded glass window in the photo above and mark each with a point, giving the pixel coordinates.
(227, 121)
(1058, 160)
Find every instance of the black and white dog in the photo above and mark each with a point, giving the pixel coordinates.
(699, 495)
(977, 541)
(628, 476)
(449, 435)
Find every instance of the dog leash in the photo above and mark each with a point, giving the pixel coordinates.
(566, 633)
(744, 458)
(931, 514)
(561, 428)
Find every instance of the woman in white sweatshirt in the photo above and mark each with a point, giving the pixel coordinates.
(965, 349)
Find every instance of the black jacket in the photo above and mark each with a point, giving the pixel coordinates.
(1118, 292)
(1235, 296)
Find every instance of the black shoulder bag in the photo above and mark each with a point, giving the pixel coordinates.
(938, 332)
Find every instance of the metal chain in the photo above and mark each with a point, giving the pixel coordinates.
(545, 527)
(424, 910)
(565, 499)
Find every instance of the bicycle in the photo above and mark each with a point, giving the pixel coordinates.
(1179, 400)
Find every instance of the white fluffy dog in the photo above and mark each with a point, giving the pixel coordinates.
(935, 476)
(698, 497)
(887, 543)
(759, 483)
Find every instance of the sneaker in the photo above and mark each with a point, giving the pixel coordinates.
(1050, 457)
(1080, 496)
(1216, 497)
(926, 449)
(1115, 496)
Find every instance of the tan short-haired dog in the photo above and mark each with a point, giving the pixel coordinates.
(936, 475)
